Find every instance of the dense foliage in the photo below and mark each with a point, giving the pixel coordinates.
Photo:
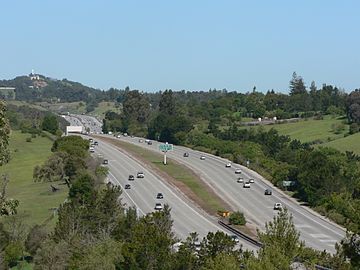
(4, 135)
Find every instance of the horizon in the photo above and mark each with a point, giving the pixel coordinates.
(184, 46)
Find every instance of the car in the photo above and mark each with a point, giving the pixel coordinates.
(110, 133)
(149, 143)
(140, 140)
(202, 157)
(268, 191)
(91, 140)
(228, 165)
(237, 171)
(235, 238)
(251, 180)
(158, 206)
(147, 140)
(125, 134)
(127, 186)
(91, 149)
(118, 136)
(105, 161)
(159, 196)
(96, 143)
(240, 180)
(131, 177)
(246, 185)
(197, 245)
(277, 206)
(140, 175)
(186, 154)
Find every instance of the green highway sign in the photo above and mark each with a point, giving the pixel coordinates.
(166, 147)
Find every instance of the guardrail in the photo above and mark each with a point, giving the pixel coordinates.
(240, 234)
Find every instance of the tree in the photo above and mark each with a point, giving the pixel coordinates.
(7, 206)
(136, 106)
(281, 244)
(353, 106)
(220, 262)
(297, 85)
(50, 123)
(52, 256)
(52, 170)
(4, 135)
(167, 103)
(36, 236)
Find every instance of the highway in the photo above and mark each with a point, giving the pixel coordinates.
(316, 231)
(187, 217)
(142, 194)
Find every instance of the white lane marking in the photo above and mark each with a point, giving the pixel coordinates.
(127, 194)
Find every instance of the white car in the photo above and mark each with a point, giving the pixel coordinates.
(277, 206)
(228, 165)
(240, 180)
(202, 157)
(251, 180)
(118, 136)
(246, 185)
(91, 149)
(140, 175)
(158, 206)
(237, 171)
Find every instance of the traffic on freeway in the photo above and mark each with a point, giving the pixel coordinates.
(248, 192)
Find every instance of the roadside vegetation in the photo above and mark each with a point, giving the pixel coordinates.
(38, 202)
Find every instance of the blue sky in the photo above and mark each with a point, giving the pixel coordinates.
(192, 45)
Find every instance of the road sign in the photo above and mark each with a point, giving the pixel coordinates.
(166, 147)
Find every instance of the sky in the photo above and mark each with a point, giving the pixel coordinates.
(187, 44)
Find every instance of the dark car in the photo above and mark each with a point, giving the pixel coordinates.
(96, 143)
(105, 161)
(186, 154)
(131, 177)
(149, 143)
(268, 191)
(159, 196)
(127, 186)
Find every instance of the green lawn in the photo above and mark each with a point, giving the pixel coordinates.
(310, 130)
(36, 199)
(349, 143)
(186, 179)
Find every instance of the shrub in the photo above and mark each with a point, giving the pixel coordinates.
(237, 218)
(28, 139)
(354, 128)
(33, 136)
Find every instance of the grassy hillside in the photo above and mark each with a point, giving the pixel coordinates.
(36, 199)
(349, 143)
(103, 107)
(311, 130)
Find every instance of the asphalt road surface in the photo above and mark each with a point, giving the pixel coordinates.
(142, 194)
(316, 231)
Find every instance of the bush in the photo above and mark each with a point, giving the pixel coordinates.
(33, 136)
(337, 128)
(354, 128)
(28, 139)
(237, 218)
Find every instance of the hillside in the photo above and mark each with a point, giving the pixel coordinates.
(35, 87)
(349, 143)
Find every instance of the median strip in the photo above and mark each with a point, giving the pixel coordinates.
(177, 174)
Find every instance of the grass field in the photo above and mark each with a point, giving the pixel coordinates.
(185, 179)
(103, 107)
(310, 130)
(349, 143)
(36, 199)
